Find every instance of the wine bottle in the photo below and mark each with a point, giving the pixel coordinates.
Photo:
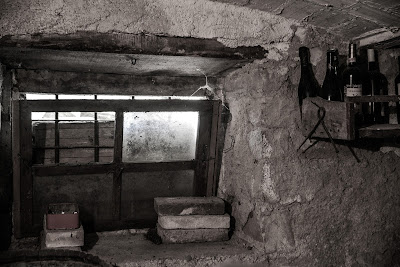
(375, 112)
(352, 83)
(308, 86)
(330, 89)
(397, 85)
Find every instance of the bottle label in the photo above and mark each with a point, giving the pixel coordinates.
(353, 90)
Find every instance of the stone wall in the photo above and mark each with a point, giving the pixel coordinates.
(316, 208)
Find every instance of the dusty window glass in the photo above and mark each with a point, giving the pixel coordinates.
(159, 136)
(73, 138)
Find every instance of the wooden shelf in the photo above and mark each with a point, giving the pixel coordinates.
(377, 98)
(339, 119)
(379, 131)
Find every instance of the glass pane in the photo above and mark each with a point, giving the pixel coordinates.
(76, 134)
(77, 155)
(43, 116)
(43, 156)
(68, 97)
(106, 116)
(114, 97)
(152, 97)
(140, 189)
(106, 155)
(43, 134)
(159, 136)
(91, 192)
(33, 96)
(106, 134)
(81, 116)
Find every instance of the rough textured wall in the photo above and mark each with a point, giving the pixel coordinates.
(196, 18)
(317, 208)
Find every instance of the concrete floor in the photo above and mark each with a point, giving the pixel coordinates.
(132, 248)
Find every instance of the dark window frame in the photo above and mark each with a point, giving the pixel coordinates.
(205, 180)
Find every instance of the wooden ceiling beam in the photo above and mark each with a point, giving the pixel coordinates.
(133, 44)
(131, 64)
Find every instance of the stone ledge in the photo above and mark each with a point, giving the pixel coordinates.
(189, 206)
(192, 235)
(194, 221)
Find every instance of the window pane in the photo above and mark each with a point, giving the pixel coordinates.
(43, 156)
(77, 155)
(43, 135)
(106, 116)
(106, 155)
(68, 97)
(159, 136)
(106, 133)
(80, 116)
(114, 97)
(152, 97)
(76, 134)
(33, 96)
(43, 116)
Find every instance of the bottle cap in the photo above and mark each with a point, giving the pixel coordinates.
(304, 54)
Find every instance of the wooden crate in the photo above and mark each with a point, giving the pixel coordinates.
(339, 118)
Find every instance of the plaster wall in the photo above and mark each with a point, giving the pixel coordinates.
(317, 208)
(306, 209)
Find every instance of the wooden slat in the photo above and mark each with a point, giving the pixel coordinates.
(96, 62)
(56, 139)
(96, 139)
(5, 143)
(40, 81)
(16, 149)
(116, 105)
(202, 153)
(75, 146)
(376, 98)
(379, 131)
(213, 153)
(339, 118)
(26, 181)
(117, 177)
(59, 170)
(159, 166)
(133, 43)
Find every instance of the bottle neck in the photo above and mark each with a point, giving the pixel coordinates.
(306, 69)
(398, 61)
(372, 66)
(332, 61)
(351, 61)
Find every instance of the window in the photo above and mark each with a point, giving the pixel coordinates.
(128, 149)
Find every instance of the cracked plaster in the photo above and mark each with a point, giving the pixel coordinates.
(231, 25)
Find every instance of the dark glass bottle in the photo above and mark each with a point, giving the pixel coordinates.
(308, 86)
(375, 112)
(330, 89)
(352, 82)
(397, 85)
